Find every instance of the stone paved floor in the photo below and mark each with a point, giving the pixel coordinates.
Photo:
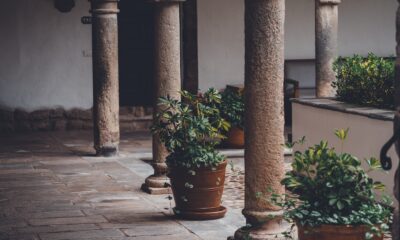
(53, 188)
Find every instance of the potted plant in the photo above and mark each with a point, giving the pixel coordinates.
(232, 109)
(190, 129)
(332, 197)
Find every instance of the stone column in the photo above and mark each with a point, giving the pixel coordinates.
(167, 79)
(396, 190)
(105, 76)
(264, 118)
(326, 35)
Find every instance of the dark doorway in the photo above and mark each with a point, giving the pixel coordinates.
(136, 52)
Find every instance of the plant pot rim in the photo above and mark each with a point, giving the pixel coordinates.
(237, 127)
(336, 227)
(225, 162)
(176, 169)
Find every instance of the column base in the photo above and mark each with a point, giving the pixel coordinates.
(157, 185)
(254, 234)
(271, 226)
(106, 151)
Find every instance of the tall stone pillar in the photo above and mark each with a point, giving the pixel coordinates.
(264, 118)
(326, 35)
(105, 76)
(168, 81)
(396, 217)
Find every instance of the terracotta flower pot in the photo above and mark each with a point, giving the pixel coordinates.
(334, 232)
(235, 138)
(198, 196)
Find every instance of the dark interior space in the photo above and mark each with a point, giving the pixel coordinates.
(136, 50)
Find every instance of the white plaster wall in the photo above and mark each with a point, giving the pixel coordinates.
(367, 26)
(299, 29)
(42, 62)
(220, 43)
(364, 26)
(366, 136)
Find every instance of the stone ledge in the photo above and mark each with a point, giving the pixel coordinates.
(335, 105)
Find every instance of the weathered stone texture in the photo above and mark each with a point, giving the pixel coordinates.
(79, 124)
(40, 120)
(6, 120)
(167, 60)
(139, 112)
(326, 35)
(70, 196)
(20, 114)
(79, 114)
(105, 76)
(131, 119)
(40, 115)
(6, 115)
(264, 74)
(168, 81)
(41, 125)
(57, 113)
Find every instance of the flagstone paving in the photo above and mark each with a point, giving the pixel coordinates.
(52, 187)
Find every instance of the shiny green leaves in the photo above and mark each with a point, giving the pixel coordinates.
(342, 133)
(232, 107)
(366, 81)
(191, 128)
(333, 188)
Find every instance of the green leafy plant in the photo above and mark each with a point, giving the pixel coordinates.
(366, 81)
(326, 187)
(232, 107)
(191, 128)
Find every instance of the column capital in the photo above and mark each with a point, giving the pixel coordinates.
(329, 2)
(100, 7)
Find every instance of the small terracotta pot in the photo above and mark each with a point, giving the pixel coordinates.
(198, 196)
(235, 138)
(334, 232)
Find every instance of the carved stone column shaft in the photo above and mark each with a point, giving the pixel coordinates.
(105, 76)
(264, 119)
(168, 81)
(326, 36)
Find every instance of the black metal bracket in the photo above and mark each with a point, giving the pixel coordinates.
(386, 161)
(86, 20)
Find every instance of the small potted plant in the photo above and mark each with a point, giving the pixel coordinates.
(190, 129)
(232, 109)
(331, 196)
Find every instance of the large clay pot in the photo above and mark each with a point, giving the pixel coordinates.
(197, 192)
(334, 232)
(235, 138)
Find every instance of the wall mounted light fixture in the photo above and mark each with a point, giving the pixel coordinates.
(64, 6)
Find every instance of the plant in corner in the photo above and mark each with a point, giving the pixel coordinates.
(332, 197)
(190, 129)
(232, 109)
